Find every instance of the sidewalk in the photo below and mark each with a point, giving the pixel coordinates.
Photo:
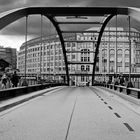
(6, 104)
(129, 101)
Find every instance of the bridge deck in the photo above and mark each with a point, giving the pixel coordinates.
(71, 113)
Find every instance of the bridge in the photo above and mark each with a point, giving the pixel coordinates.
(57, 110)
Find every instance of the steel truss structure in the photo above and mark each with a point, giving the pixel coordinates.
(57, 14)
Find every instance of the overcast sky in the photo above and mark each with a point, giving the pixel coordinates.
(13, 34)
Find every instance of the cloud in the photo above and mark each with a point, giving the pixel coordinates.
(6, 5)
(8, 2)
(34, 26)
(112, 3)
(54, 2)
(18, 27)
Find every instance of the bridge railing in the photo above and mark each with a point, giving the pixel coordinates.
(126, 90)
(17, 91)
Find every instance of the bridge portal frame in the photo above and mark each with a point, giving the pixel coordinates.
(8, 17)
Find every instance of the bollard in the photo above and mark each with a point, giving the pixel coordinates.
(121, 89)
(129, 85)
(138, 95)
(115, 88)
(128, 91)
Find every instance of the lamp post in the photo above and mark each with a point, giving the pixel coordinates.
(129, 83)
(41, 52)
(26, 33)
(104, 62)
(54, 75)
(116, 46)
(54, 61)
(135, 65)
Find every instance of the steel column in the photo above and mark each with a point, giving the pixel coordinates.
(41, 46)
(129, 83)
(116, 48)
(62, 43)
(98, 44)
(109, 49)
(26, 32)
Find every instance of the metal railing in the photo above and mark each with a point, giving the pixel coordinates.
(123, 89)
(17, 91)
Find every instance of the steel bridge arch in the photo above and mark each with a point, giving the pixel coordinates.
(10, 16)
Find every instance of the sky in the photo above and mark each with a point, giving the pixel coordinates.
(14, 34)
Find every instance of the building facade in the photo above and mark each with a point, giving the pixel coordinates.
(45, 56)
(9, 55)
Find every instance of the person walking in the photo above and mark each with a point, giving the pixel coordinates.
(15, 79)
(4, 81)
(122, 82)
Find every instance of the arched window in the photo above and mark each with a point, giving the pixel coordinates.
(104, 53)
(82, 67)
(119, 55)
(126, 53)
(119, 60)
(87, 68)
(104, 60)
(112, 54)
(112, 60)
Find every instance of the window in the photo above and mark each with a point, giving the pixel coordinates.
(97, 68)
(119, 53)
(85, 55)
(88, 68)
(126, 53)
(87, 78)
(82, 67)
(112, 54)
(111, 68)
(119, 60)
(82, 78)
(73, 56)
(85, 59)
(104, 69)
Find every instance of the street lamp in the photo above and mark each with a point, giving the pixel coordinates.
(26, 33)
(129, 83)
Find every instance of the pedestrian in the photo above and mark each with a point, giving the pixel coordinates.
(15, 79)
(122, 82)
(4, 81)
(117, 81)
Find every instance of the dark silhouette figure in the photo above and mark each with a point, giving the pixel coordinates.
(4, 80)
(116, 81)
(122, 81)
(15, 79)
(110, 80)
